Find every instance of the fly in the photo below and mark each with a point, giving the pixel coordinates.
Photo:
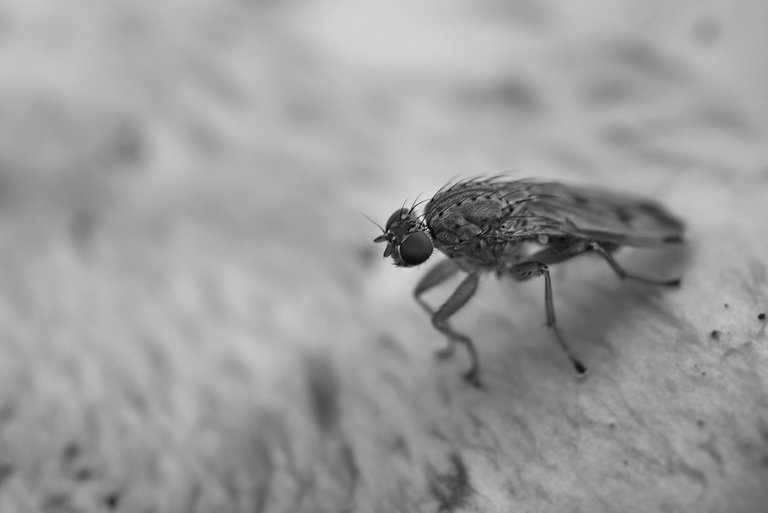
(517, 229)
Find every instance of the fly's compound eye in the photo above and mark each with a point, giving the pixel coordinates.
(416, 248)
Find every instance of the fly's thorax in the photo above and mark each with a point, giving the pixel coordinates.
(459, 216)
(453, 229)
(469, 206)
(408, 242)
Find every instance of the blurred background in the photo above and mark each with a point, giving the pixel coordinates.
(194, 317)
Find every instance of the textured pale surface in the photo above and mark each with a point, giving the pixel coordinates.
(193, 316)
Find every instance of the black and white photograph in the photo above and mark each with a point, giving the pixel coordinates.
(394, 256)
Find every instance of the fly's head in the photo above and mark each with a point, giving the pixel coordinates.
(408, 243)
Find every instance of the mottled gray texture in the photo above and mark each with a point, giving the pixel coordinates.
(194, 316)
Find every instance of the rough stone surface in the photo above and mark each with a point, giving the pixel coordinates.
(194, 317)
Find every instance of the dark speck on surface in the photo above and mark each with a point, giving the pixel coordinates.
(761, 316)
(112, 500)
(715, 334)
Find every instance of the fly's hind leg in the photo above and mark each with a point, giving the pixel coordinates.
(527, 270)
(624, 274)
(458, 299)
(434, 277)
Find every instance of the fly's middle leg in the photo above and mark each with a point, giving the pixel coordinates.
(527, 270)
(453, 304)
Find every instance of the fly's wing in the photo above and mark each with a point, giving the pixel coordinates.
(553, 208)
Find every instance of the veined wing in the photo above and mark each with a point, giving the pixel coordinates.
(553, 208)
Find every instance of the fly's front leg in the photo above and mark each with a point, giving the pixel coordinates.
(458, 299)
(528, 270)
(434, 277)
(624, 274)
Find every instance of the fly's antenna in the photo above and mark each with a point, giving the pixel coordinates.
(374, 222)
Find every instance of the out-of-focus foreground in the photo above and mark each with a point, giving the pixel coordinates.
(193, 316)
